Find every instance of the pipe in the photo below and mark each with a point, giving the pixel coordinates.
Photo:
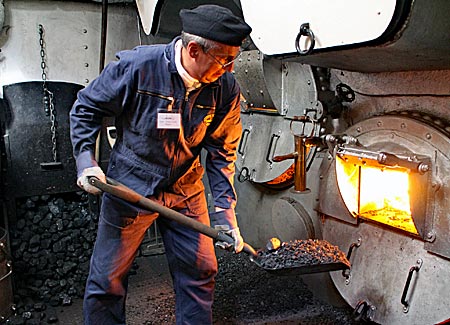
(101, 65)
(103, 34)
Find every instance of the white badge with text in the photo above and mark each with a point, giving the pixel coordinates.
(168, 120)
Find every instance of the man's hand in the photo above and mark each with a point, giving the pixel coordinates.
(238, 240)
(83, 180)
(236, 235)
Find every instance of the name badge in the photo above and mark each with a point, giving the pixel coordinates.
(168, 120)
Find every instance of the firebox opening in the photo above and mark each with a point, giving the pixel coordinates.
(378, 194)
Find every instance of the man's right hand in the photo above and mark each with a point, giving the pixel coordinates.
(83, 180)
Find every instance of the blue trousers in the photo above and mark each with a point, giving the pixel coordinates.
(190, 256)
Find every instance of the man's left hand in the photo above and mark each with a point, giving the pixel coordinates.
(238, 240)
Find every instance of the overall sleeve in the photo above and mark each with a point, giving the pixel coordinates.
(105, 96)
(221, 146)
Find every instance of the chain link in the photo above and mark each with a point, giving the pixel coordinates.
(49, 106)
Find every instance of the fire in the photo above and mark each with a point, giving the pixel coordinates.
(378, 194)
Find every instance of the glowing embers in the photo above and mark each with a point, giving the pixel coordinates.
(378, 194)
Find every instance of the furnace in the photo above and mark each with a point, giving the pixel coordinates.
(385, 198)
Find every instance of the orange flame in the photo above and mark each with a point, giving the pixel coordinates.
(378, 194)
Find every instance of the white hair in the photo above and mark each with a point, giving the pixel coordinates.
(206, 44)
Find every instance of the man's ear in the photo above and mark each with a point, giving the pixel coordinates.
(193, 49)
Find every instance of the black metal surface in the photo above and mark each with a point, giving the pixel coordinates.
(2, 156)
(30, 167)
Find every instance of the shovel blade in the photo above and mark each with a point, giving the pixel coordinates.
(301, 257)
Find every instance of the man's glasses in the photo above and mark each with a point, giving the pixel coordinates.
(228, 61)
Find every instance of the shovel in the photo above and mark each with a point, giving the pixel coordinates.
(121, 191)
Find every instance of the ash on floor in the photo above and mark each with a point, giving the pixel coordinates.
(245, 294)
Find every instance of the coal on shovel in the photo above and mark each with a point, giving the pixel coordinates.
(297, 257)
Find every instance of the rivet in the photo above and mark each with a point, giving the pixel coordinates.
(428, 135)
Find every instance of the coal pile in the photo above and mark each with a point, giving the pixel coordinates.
(311, 254)
(247, 294)
(51, 243)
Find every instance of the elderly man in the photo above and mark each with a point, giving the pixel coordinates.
(169, 102)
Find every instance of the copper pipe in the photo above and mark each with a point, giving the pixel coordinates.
(300, 164)
(299, 156)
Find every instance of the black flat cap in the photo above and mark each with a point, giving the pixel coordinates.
(215, 23)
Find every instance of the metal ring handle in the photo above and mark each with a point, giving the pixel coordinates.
(305, 31)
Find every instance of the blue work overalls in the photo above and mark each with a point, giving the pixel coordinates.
(161, 164)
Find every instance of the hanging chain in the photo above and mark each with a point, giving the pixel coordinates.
(49, 107)
(46, 100)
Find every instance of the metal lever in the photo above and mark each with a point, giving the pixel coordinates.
(390, 159)
(361, 155)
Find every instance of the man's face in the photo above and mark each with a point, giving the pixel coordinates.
(211, 64)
